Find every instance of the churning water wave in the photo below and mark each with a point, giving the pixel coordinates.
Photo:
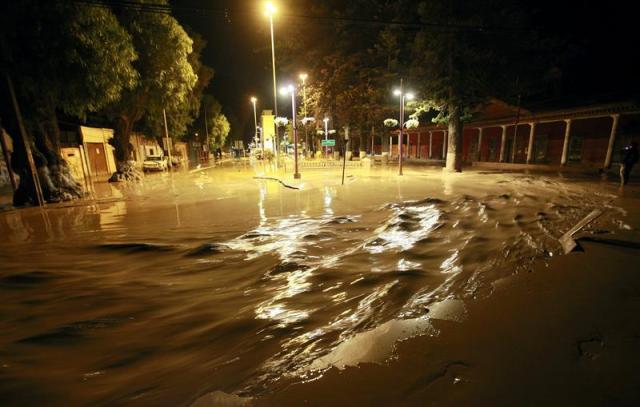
(164, 321)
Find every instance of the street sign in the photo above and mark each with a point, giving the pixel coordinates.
(328, 143)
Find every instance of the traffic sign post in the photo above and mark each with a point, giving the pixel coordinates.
(344, 151)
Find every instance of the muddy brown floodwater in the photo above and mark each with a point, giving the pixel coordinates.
(189, 285)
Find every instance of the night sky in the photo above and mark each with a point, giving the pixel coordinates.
(603, 40)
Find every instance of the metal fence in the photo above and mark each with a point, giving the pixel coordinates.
(328, 164)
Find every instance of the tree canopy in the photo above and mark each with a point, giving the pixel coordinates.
(67, 57)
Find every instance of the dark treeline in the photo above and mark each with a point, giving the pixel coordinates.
(455, 55)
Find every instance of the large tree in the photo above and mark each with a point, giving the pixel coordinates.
(63, 58)
(468, 52)
(166, 76)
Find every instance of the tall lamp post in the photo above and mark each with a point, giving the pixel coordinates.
(326, 136)
(303, 78)
(255, 122)
(403, 96)
(292, 91)
(271, 10)
(344, 151)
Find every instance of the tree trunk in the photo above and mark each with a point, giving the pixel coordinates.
(384, 143)
(454, 142)
(373, 140)
(55, 175)
(25, 194)
(127, 170)
(121, 140)
(123, 128)
(53, 127)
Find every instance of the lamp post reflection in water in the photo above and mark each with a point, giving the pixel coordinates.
(328, 199)
(261, 211)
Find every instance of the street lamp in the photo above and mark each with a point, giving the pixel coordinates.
(261, 139)
(303, 78)
(255, 121)
(270, 10)
(199, 155)
(344, 151)
(326, 136)
(285, 91)
(403, 96)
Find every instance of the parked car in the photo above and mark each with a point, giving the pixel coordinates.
(155, 163)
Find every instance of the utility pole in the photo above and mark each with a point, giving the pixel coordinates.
(401, 141)
(206, 133)
(23, 131)
(296, 174)
(326, 137)
(166, 133)
(303, 77)
(275, 95)
(344, 151)
(25, 142)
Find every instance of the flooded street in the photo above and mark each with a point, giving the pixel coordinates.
(188, 284)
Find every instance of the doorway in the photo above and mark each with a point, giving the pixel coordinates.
(97, 159)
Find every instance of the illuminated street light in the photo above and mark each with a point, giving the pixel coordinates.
(403, 96)
(326, 136)
(270, 10)
(255, 121)
(285, 91)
